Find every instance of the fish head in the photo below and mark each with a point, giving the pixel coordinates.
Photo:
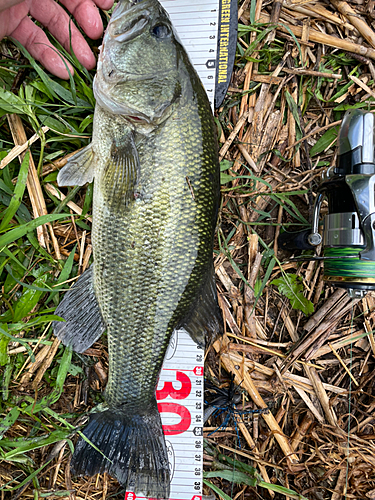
(138, 69)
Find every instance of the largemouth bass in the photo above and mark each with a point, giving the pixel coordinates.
(154, 161)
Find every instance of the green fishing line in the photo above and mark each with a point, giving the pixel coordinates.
(348, 269)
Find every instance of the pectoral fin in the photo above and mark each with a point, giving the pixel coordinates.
(79, 170)
(121, 172)
(204, 320)
(83, 323)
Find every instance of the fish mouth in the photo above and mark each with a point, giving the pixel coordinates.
(132, 30)
(130, 18)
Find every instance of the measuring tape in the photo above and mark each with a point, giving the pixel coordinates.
(208, 31)
(180, 402)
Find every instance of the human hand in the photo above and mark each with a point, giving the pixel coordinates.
(14, 22)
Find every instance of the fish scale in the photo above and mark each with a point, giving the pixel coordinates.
(154, 161)
(144, 221)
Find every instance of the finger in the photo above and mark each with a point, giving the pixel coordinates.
(5, 4)
(10, 18)
(104, 4)
(36, 42)
(57, 21)
(87, 15)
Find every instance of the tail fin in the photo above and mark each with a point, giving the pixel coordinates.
(132, 447)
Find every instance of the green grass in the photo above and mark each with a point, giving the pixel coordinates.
(32, 279)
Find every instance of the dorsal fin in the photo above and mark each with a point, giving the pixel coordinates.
(204, 321)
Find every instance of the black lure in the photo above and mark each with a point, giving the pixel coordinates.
(223, 401)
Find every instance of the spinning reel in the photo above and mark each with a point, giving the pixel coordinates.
(349, 228)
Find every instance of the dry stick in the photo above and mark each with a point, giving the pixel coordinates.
(253, 447)
(305, 384)
(82, 250)
(233, 135)
(255, 137)
(325, 309)
(269, 136)
(250, 322)
(59, 460)
(275, 16)
(289, 324)
(248, 158)
(314, 280)
(228, 316)
(338, 344)
(310, 339)
(370, 335)
(282, 83)
(309, 72)
(316, 131)
(33, 185)
(305, 38)
(17, 150)
(270, 79)
(68, 482)
(255, 459)
(224, 278)
(301, 430)
(292, 126)
(105, 486)
(86, 258)
(362, 85)
(261, 348)
(343, 364)
(355, 20)
(32, 367)
(369, 305)
(249, 67)
(243, 7)
(243, 148)
(318, 37)
(324, 328)
(329, 327)
(261, 137)
(244, 142)
(60, 196)
(248, 384)
(321, 394)
(318, 11)
(288, 378)
(262, 202)
(46, 363)
(340, 486)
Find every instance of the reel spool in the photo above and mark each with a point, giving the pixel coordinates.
(349, 228)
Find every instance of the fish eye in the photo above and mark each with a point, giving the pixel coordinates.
(161, 31)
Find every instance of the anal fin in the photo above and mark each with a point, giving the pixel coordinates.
(79, 169)
(204, 320)
(83, 323)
